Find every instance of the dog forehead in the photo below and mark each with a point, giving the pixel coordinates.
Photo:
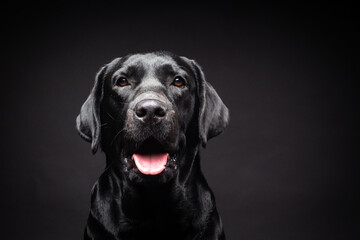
(150, 62)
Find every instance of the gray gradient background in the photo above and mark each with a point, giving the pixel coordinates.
(286, 167)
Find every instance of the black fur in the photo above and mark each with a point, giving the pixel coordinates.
(177, 203)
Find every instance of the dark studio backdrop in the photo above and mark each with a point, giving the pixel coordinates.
(285, 168)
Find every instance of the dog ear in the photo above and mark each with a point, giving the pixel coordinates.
(213, 114)
(88, 122)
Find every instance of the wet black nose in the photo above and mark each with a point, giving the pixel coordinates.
(150, 110)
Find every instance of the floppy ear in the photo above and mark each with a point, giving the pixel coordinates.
(88, 121)
(213, 114)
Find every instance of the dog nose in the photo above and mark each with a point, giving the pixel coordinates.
(150, 110)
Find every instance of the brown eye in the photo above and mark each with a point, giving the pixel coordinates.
(179, 82)
(122, 82)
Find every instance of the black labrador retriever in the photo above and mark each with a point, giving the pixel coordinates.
(149, 113)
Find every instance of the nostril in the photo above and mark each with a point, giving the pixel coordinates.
(160, 112)
(140, 112)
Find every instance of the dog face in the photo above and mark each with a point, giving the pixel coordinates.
(146, 110)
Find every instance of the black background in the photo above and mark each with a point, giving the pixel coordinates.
(286, 167)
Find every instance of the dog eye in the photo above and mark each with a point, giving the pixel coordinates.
(122, 82)
(179, 82)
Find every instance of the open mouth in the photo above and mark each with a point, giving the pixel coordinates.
(151, 158)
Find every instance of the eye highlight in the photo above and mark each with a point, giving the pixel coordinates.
(122, 82)
(179, 82)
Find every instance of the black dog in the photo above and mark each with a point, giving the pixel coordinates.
(149, 113)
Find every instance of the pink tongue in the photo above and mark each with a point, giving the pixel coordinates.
(150, 164)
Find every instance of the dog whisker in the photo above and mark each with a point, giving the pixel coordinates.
(121, 130)
(110, 116)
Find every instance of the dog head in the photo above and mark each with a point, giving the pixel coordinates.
(146, 110)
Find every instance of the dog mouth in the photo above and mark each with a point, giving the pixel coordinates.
(152, 158)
